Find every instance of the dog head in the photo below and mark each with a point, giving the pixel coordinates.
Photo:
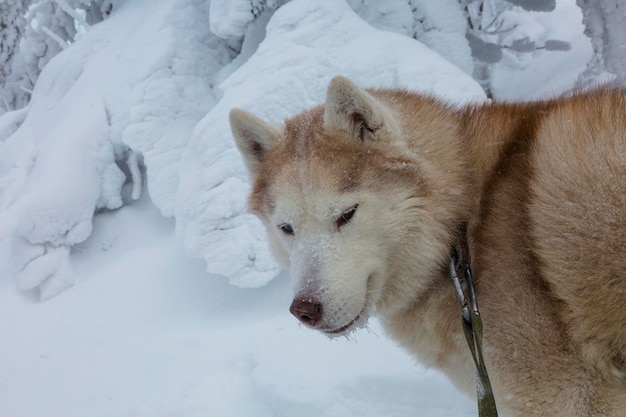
(345, 203)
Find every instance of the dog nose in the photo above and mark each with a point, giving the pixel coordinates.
(308, 312)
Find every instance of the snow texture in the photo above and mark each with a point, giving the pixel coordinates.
(543, 74)
(43, 32)
(440, 25)
(132, 84)
(605, 24)
(230, 18)
(12, 22)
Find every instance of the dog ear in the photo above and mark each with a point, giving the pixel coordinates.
(354, 112)
(253, 136)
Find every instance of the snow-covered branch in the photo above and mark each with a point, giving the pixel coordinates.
(605, 24)
(59, 40)
(74, 13)
(135, 174)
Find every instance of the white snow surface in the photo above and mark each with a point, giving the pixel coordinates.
(130, 122)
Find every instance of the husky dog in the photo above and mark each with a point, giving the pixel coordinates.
(362, 198)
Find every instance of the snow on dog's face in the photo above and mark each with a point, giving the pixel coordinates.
(341, 196)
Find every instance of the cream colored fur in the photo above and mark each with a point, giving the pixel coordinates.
(362, 198)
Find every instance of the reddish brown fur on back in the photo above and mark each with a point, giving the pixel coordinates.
(552, 217)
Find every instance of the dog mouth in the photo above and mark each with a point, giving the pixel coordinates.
(358, 321)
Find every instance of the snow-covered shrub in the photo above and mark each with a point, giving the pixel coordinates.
(49, 30)
(13, 24)
(34, 35)
(605, 24)
(96, 10)
(440, 24)
(229, 19)
(472, 34)
(135, 84)
(505, 28)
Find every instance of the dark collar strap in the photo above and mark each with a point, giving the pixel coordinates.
(461, 275)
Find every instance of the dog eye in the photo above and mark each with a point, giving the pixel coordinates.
(346, 216)
(286, 228)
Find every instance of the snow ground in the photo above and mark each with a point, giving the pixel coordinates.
(145, 331)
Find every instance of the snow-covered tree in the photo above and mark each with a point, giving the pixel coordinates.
(499, 28)
(472, 34)
(440, 25)
(49, 31)
(605, 24)
(32, 36)
(96, 10)
(12, 26)
(241, 23)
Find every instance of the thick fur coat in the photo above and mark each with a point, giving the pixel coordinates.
(362, 197)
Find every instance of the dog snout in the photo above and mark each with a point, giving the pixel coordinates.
(308, 311)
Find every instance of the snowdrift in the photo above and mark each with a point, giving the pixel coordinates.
(142, 99)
